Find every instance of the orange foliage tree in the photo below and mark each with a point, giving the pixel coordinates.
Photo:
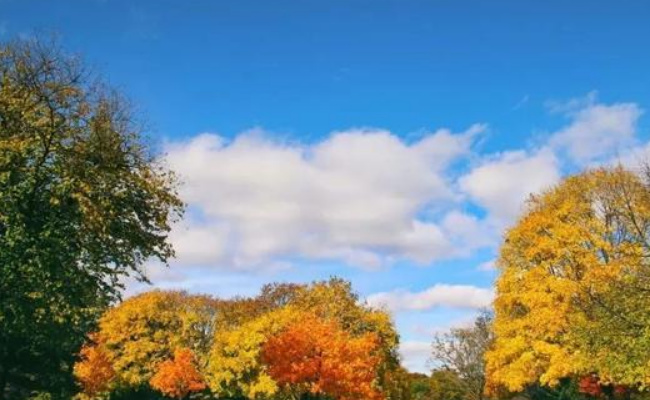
(316, 356)
(94, 372)
(591, 385)
(178, 378)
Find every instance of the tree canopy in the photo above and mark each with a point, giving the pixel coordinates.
(572, 297)
(84, 202)
(314, 340)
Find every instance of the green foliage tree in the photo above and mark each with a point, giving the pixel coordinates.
(446, 384)
(83, 203)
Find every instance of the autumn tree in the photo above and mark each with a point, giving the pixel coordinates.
(83, 203)
(138, 342)
(146, 331)
(179, 377)
(462, 351)
(317, 357)
(572, 294)
(235, 365)
(235, 368)
(95, 371)
(335, 299)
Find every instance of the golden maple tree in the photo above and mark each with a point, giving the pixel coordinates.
(316, 356)
(572, 293)
(179, 377)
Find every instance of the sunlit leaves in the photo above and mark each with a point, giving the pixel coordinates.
(180, 344)
(316, 356)
(179, 377)
(571, 297)
(95, 371)
(235, 367)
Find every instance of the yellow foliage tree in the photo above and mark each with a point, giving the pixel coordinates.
(235, 366)
(144, 331)
(572, 294)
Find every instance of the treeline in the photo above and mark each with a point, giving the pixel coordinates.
(290, 342)
(314, 341)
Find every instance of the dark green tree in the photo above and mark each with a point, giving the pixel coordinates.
(84, 202)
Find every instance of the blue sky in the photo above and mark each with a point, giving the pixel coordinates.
(388, 142)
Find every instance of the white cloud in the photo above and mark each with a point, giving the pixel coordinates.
(457, 296)
(198, 244)
(502, 183)
(357, 196)
(487, 266)
(367, 197)
(596, 130)
(415, 355)
(430, 330)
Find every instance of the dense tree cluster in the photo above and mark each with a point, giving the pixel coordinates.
(292, 341)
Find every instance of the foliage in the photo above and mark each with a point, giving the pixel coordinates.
(179, 377)
(145, 331)
(446, 384)
(95, 371)
(83, 203)
(461, 351)
(334, 299)
(316, 356)
(400, 384)
(240, 348)
(572, 294)
(235, 366)
(566, 389)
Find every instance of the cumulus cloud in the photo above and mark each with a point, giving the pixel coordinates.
(415, 354)
(596, 130)
(368, 197)
(358, 196)
(503, 182)
(440, 295)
